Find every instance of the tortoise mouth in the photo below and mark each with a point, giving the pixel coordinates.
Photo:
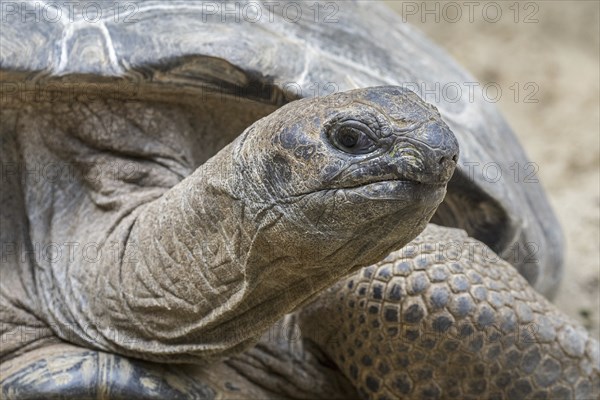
(399, 190)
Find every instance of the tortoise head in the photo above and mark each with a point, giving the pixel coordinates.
(364, 170)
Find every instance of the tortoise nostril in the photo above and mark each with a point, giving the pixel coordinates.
(443, 159)
(439, 138)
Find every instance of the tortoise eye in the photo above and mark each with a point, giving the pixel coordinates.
(348, 137)
(353, 137)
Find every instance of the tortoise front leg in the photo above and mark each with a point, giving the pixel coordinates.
(446, 318)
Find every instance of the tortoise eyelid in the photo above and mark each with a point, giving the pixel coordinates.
(359, 125)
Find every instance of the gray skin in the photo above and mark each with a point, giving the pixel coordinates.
(203, 246)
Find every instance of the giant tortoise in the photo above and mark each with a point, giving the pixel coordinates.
(232, 200)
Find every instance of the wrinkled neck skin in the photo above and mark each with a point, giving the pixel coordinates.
(218, 259)
(257, 253)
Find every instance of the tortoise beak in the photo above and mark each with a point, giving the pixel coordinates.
(437, 148)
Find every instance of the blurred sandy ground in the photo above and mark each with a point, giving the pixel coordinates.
(560, 53)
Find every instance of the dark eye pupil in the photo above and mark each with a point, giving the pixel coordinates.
(348, 138)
